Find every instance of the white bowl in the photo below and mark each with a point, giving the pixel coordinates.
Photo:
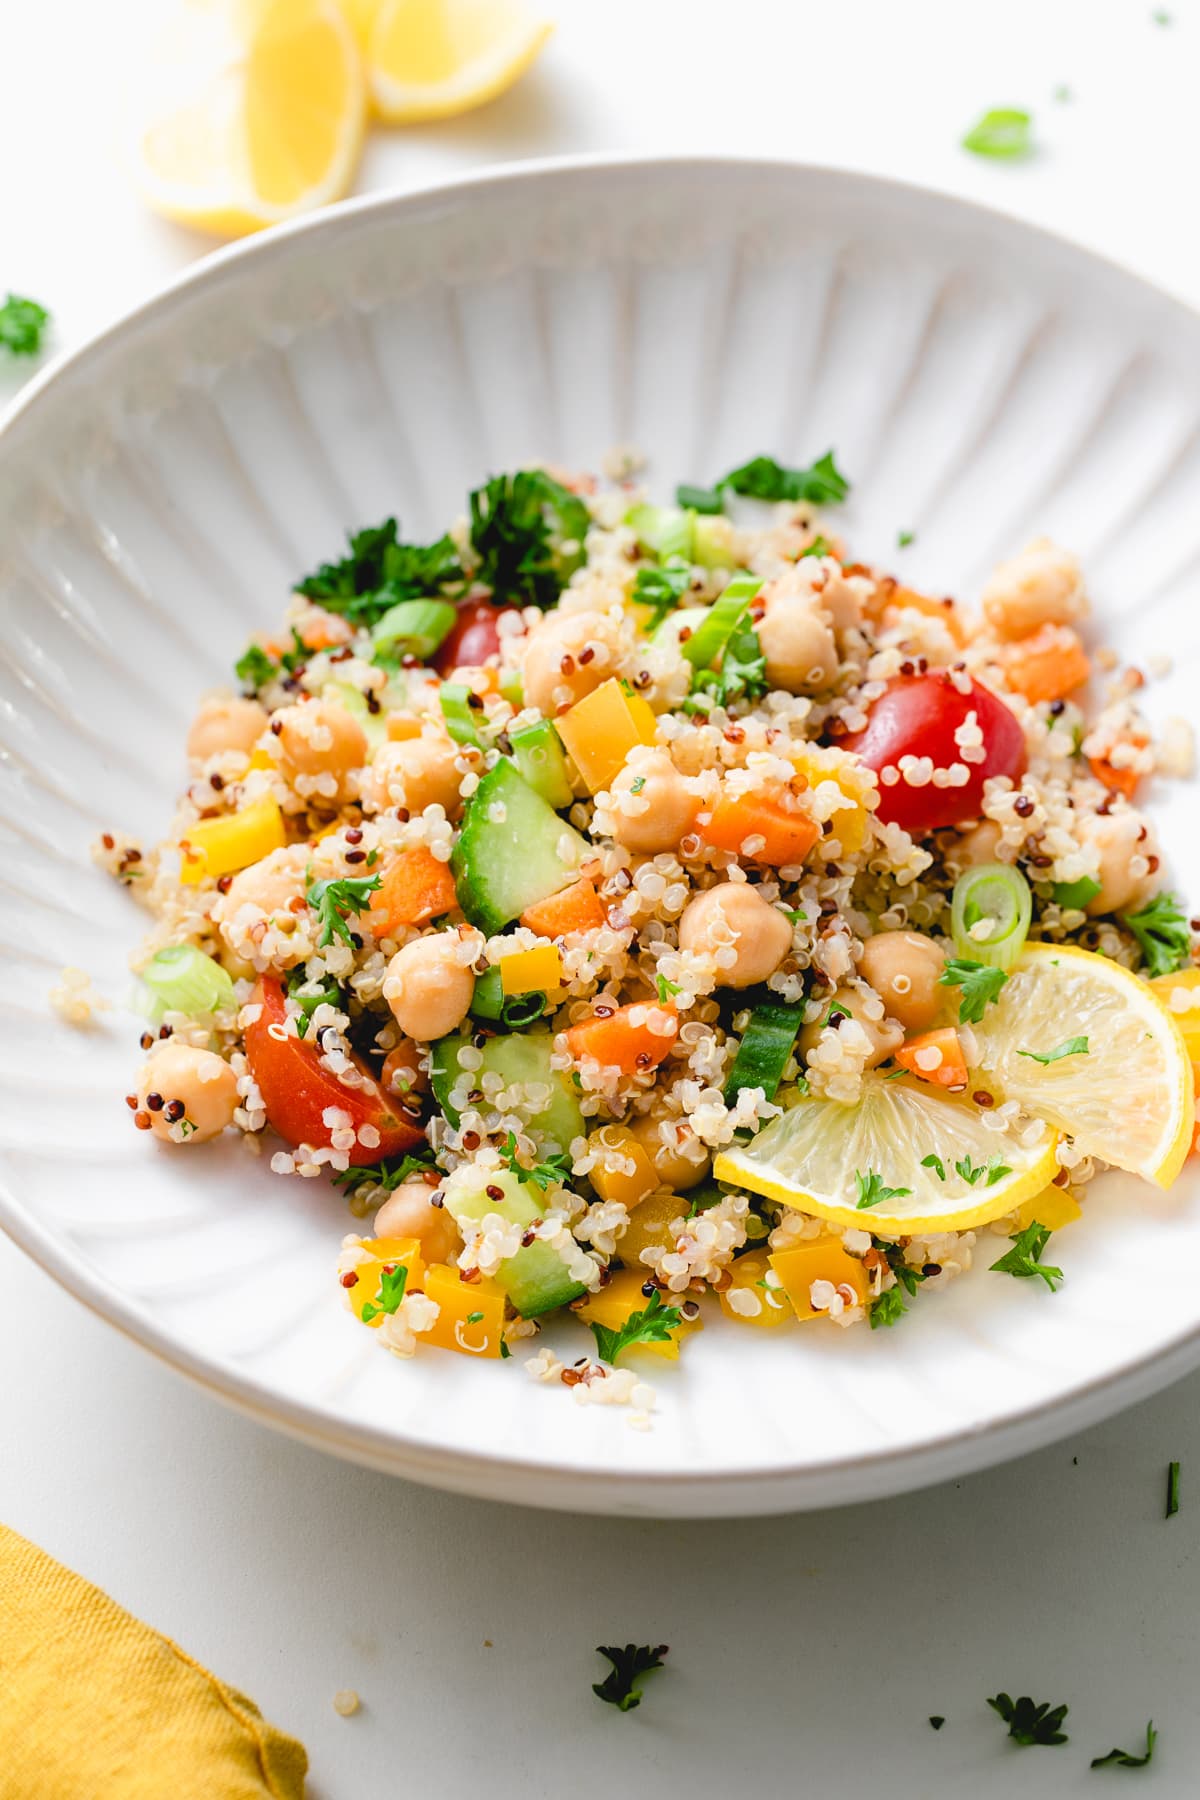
(159, 491)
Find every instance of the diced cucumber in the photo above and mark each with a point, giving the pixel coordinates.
(513, 851)
(522, 1059)
(662, 531)
(767, 1043)
(542, 761)
(536, 1279)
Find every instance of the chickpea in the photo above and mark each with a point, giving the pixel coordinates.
(662, 810)
(839, 596)
(905, 968)
(402, 1076)
(551, 669)
(981, 844)
(428, 988)
(682, 1159)
(226, 725)
(797, 636)
(198, 1081)
(271, 885)
(409, 1213)
(734, 915)
(415, 773)
(320, 739)
(1041, 586)
(1125, 844)
(886, 1035)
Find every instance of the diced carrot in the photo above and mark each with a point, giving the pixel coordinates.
(413, 889)
(788, 835)
(948, 1070)
(1117, 781)
(891, 597)
(1047, 666)
(615, 1041)
(575, 908)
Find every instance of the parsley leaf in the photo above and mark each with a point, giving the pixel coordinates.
(628, 1665)
(1006, 132)
(1029, 1722)
(904, 539)
(552, 1171)
(889, 1309)
(391, 1293)
(818, 547)
(980, 986)
(22, 323)
(254, 667)
(971, 1172)
(1172, 1489)
(1163, 933)
(328, 994)
(762, 478)
(1025, 1257)
(1122, 1759)
(743, 671)
(666, 989)
(386, 1175)
(520, 525)
(935, 1163)
(662, 588)
(652, 1326)
(870, 1189)
(1076, 1046)
(334, 902)
(379, 571)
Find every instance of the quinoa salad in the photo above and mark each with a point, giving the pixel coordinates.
(653, 917)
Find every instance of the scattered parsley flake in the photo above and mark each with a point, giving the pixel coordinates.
(818, 547)
(637, 784)
(1124, 1759)
(1076, 1046)
(903, 540)
(391, 1293)
(662, 588)
(980, 984)
(22, 323)
(329, 994)
(334, 902)
(474, 1318)
(654, 1325)
(666, 989)
(1025, 1257)
(254, 667)
(937, 1721)
(972, 1172)
(795, 915)
(552, 1171)
(629, 1664)
(934, 1162)
(1162, 931)
(1172, 1489)
(1005, 133)
(871, 1191)
(1029, 1722)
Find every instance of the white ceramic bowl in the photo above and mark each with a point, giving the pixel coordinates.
(159, 491)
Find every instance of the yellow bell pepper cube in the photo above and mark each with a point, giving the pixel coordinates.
(755, 1295)
(817, 764)
(382, 1255)
(600, 730)
(532, 971)
(823, 1259)
(222, 846)
(470, 1313)
(1054, 1207)
(626, 1171)
(1180, 994)
(616, 1304)
(262, 759)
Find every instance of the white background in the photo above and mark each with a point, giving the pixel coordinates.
(806, 1653)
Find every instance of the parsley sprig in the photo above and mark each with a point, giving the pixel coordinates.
(254, 668)
(22, 323)
(652, 1326)
(890, 1307)
(662, 588)
(336, 901)
(1025, 1257)
(1163, 933)
(379, 571)
(386, 1175)
(1124, 1759)
(980, 986)
(870, 1189)
(390, 1294)
(629, 1664)
(521, 527)
(762, 478)
(1031, 1722)
(1076, 1046)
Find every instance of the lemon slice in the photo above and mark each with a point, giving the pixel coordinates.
(256, 114)
(822, 1157)
(428, 59)
(1128, 1100)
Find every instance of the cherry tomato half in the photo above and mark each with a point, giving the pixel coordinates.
(296, 1088)
(473, 639)
(918, 716)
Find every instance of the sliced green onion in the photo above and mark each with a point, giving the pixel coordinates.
(182, 979)
(489, 1001)
(1076, 893)
(998, 892)
(459, 714)
(513, 688)
(662, 531)
(414, 627)
(721, 621)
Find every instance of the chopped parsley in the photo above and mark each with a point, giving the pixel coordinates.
(22, 323)
(1172, 1489)
(762, 478)
(934, 1162)
(742, 674)
(379, 571)
(1029, 1722)
(662, 588)
(619, 1688)
(527, 531)
(1025, 1257)
(254, 667)
(903, 540)
(652, 1326)
(637, 784)
(1006, 133)
(889, 1309)
(871, 1191)
(666, 989)
(551, 1171)
(391, 1293)
(474, 1318)
(795, 915)
(328, 994)
(980, 984)
(818, 547)
(1124, 1759)
(972, 1172)
(335, 901)
(386, 1175)
(1162, 931)
(698, 499)
(1076, 1046)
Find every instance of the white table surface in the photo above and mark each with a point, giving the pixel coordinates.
(806, 1653)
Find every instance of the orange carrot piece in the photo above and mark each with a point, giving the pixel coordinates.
(890, 596)
(614, 1040)
(414, 889)
(1049, 665)
(789, 836)
(1117, 781)
(950, 1071)
(575, 908)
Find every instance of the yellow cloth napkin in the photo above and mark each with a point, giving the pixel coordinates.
(95, 1705)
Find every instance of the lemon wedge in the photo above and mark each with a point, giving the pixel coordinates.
(1127, 1099)
(903, 1159)
(428, 59)
(256, 115)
